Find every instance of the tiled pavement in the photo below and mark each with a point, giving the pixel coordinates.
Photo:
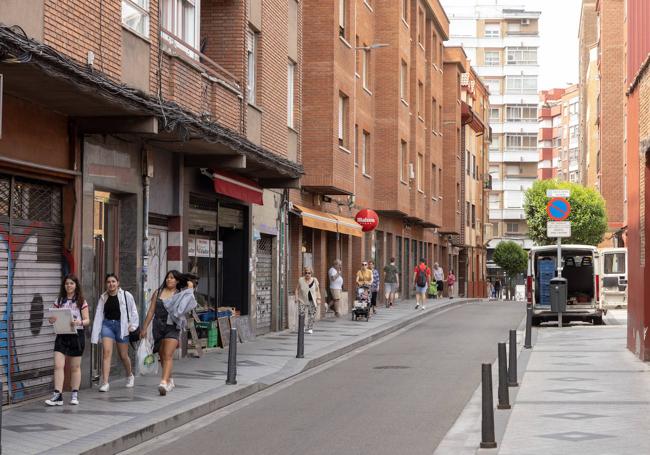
(112, 422)
(582, 392)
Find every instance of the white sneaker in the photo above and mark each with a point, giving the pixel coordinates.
(423, 307)
(310, 331)
(171, 384)
(104, 387)
(56, 400)
(75, 398)
(164, 388)
(130, 382)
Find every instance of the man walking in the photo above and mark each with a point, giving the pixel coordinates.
(439, 277)
(391, 282)
(421, 279)
(336, 285)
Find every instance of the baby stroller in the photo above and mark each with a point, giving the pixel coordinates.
(362, 304)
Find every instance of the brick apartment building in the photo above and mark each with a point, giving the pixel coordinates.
(559, 132)
(159, 135)
(602, 111)
(637, 105)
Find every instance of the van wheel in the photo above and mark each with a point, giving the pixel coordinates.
(597, 321)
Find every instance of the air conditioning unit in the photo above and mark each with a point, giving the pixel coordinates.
(525, 22)
(411, 171)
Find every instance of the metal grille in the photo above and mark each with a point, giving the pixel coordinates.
(36, 202)
(264, 283)
(5, 185)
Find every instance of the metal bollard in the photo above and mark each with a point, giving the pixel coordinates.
(487, 414)
(301, 337)
(504, 394)
(232, 358)
(529, 327)
(1, 400)
(512, 364)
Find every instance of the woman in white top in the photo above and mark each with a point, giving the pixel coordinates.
(308, 295)
(115, 317)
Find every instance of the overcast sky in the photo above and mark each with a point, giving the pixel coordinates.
(559, 25)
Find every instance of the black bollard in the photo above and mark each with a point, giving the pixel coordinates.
(1, 400)
(301, 336)
(529, 327)
(232, 358)
(487, 414)
(512, 364)
(504, 394)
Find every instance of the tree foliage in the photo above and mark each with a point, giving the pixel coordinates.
(511, 257)
(588, 217)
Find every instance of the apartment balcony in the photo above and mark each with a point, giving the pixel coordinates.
(506, 214)
(545, 134)
(519, 127)
(507, 70)
(574, 166)
(499, 42)
(514, 156)
(511, 98)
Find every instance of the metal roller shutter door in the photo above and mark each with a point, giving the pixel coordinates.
(264, 283)
(31, 242)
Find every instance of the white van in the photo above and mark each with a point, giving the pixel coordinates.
(580, 268)
(613, 276)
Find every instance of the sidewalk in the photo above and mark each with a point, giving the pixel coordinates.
(112, 422)
(580, 392)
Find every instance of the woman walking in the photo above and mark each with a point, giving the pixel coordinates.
(308, 295)
(167, 309)
(451, 283)
(116, 316)
(374, 287)
(69, 347)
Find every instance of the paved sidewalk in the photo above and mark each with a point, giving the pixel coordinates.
(580, 392)
(112, 422)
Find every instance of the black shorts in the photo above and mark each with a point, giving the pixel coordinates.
(161, 331)
(373, 299)
(71, 345)
(440, 286)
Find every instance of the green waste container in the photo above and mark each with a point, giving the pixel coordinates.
(213, 336)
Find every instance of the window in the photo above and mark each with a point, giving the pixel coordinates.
(513, 169)
(434, 48)
(573, 131)
(521, 113)
(251, 52)
(420, 99)
(356, 145)
(492, 58)
(492, 30)
(291, 77)
(404, 81)
(434, 181)
(493, 85)
(420, 171)
(521, 141)
(135, 16)
(343, 118)
(439, 182)
(521, 84)
(405, 10)
(473, 216)
(522, 56)
(343, 17)
(474, 171)
(365, 153)
(434, 114)
(467, 163)
(439, 117)
(421, 26)
(495, 114)
(573, 108)
(403, 157)
(513, 199)
(514, 27)
(512, 227)
(180, 23)
(365, 68)
(467, 214)
(495, 145)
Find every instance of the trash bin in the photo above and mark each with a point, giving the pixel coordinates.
(558, 295)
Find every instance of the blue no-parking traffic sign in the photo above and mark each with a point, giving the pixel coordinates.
(558, 209)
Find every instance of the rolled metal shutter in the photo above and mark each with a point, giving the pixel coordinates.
(31, 243)
(264, 283)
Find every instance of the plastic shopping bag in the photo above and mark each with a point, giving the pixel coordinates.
(146, 362)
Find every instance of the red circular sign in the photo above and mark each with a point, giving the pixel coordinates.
(558, 209)
(368, 219)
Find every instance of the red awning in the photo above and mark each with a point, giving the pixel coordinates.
(237, 187)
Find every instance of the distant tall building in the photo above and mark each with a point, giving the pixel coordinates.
(502, 43)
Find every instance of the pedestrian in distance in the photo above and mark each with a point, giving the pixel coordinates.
(69, 347)
(451, 284)
(308, 295)
(490, 288)
(497, 289)
(364, 276)
(421, 279)
(439, 277)
(374, 286)
(168, 308)
(335, 276)
(391, 282)
(115, 317)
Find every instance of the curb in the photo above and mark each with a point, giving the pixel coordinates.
(198, 406)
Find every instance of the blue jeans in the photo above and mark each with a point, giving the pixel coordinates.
(111, 329)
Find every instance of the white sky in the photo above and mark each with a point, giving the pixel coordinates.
(559, 23)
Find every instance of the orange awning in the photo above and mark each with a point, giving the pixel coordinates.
(348, 226)
(328, 221)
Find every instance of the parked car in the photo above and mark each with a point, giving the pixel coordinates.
(613, 276)
(580, 267)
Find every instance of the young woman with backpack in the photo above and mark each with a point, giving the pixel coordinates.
(421, 279)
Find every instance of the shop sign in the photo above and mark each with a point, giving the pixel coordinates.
(191, 247)
(202, 248)
(367, 219)
(216, 248)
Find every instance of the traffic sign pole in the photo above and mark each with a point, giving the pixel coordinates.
(558, 209)
(559, 274)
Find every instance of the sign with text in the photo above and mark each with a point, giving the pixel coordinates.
(558, 229)
(558, 193)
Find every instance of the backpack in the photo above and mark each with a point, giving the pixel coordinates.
(421, 279)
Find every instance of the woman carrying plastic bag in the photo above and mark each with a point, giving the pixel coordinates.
(146, 361)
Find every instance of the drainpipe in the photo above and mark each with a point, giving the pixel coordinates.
(147, 173)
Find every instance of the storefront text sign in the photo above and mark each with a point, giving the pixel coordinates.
(367, 219)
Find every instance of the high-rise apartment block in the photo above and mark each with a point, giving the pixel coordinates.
(502, 44)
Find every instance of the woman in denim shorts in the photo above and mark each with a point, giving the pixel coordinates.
(115, 317)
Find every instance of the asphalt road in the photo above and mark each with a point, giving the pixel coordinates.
(399, 396)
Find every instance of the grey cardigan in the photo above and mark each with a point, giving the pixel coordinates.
(179, 305)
